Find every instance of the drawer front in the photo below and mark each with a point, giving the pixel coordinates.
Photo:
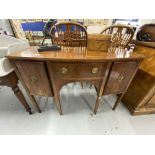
(77, 70)
(120, 76)
(35, 77)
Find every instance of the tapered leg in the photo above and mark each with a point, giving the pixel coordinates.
(91, 85)
(58, 105)
(25, 87)
(82, 85)
(21, 98)
(118, 101)
(97, 104)
(34, 103)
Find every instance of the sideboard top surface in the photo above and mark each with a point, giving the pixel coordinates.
(72, 54)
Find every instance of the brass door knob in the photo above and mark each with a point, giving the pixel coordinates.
(64, 70)
(33, 79)
(120, 78)
(94, 70)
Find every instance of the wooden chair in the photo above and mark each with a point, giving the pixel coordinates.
(70, 34)
(121, 36)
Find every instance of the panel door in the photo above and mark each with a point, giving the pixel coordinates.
(120, 76)
(35, 77)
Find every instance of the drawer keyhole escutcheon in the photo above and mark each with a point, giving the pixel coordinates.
(64, 70)
(120, 78)
(94, 70)
(33, 79)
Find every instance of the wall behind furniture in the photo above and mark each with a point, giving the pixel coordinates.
(5, 26)
(99, 28)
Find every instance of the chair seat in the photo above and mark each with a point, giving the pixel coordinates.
(9, 45)
(3, 51)
(5, 67)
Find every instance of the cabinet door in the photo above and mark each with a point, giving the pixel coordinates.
(151, 103)
(35, 77)
(120, 76)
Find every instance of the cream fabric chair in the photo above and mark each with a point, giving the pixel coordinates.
(7, 75)
(8, 45)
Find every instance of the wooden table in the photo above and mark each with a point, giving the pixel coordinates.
(44, 73)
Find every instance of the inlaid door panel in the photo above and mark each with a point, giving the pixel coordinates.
(35, 77)
(120, 76)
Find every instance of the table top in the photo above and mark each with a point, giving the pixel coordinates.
(73, 54)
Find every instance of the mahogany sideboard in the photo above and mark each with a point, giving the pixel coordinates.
(44, 73)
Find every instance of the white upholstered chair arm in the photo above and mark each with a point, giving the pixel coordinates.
(5, 67)
(18, 47)
(3, 51)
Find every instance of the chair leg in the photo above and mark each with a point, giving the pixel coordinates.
(82, 85)
(21, 98)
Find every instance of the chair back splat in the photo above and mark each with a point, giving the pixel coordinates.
(121, 35)
(69, 34)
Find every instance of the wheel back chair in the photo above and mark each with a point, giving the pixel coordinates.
(70, 34)
(121, 36)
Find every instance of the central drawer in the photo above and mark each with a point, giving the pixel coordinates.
(77, 70)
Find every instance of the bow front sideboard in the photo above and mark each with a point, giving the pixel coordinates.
(44, 73)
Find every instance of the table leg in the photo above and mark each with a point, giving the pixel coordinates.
(34, 103)
(97, 104)
(27, 91)
(82, 85)
(56, 92)
(118, 101)
(58, 105)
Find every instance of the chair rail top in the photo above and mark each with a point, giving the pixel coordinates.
(118, 25)
(69, 23)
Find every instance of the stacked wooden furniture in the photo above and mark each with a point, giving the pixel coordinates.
(140, 96)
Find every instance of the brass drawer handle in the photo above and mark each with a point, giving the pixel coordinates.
(94, 70)
(33, 79)
(120, 78)
(64, 70)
